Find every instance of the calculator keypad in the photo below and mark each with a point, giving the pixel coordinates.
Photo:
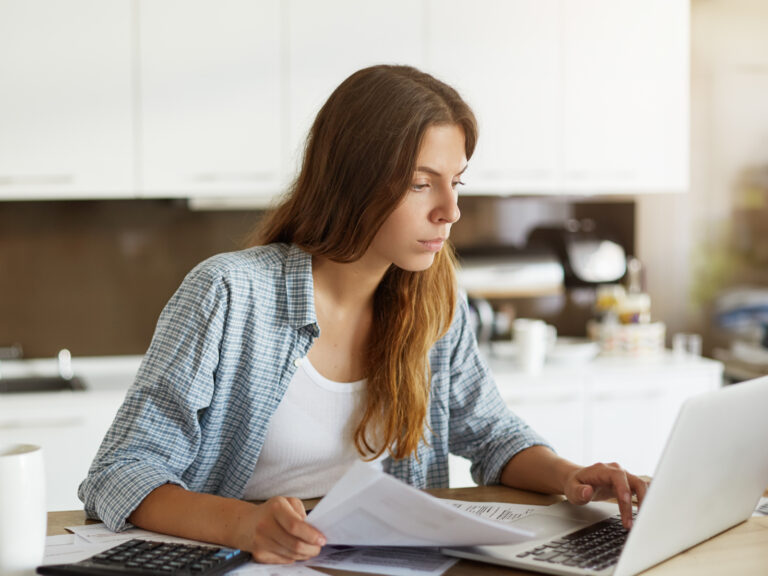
(144, 558)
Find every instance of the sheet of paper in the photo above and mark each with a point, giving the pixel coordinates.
(68, 548)
(370, 508)
(498, 511)
(100, 534)
(762, 508)
(384, 560)
(254, 569)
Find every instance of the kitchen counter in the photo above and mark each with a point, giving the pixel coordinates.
(98, 372)
(118, 372)
(502, 363)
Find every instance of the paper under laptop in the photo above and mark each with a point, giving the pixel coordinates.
(367, 507)
(710, 477)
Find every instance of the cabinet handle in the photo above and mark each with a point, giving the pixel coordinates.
(37, 180)
(233, 177)
(583, 175)
(52, 423)
(497, 174)
(541, 400)
(644, 395)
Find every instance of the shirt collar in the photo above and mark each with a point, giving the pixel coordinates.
(299, 289)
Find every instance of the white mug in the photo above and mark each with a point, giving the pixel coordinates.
(23, 516)
(532, 339)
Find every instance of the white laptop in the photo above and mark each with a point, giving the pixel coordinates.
(710, 477)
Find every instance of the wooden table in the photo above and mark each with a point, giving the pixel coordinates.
(742, 550)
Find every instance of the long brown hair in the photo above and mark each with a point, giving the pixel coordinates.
(358, 163)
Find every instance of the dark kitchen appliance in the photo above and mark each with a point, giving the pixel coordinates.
(498, 273)
(588, 256)
(509, 272)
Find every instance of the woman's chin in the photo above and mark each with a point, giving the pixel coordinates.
(418, 264)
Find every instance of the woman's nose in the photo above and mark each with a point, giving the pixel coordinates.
(454, 214)
(448, 210)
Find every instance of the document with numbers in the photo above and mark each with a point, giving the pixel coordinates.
(499, 511)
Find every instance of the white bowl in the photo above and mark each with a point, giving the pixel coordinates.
(569, 350)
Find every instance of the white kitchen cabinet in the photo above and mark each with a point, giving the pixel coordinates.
(625, 95)
(210, 97)
(204, 99)
(608, 410)
(625, 423)
(503, 56)
(555, 410)
(329, 40)
(631, 413)
(66, 106)
(69, 426)
(572, 96)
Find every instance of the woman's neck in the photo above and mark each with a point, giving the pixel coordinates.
(344, 308)
(345, 286)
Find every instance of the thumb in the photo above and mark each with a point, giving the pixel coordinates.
(581, 493)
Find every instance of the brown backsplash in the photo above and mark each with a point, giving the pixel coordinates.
(93, 276)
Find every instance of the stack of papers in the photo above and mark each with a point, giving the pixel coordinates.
(373, 523)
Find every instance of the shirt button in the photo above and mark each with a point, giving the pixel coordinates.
(297, 362)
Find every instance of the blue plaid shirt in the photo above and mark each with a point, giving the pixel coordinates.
(223, 353)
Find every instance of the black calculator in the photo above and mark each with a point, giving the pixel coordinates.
(145, 557)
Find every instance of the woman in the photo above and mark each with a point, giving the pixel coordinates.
(339, 338)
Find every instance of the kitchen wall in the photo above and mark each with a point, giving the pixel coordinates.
(93, 276)
(685, 239)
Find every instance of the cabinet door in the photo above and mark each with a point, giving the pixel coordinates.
(69, 427)
(627, 423)
(625, 95)
(503, 56)
(210, 97)
(554, 411)
(631, 412)
(66, 127)
(329, 40)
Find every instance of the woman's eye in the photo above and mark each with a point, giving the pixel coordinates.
(457, 183)
(419, 187)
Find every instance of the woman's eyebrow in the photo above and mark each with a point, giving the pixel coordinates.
(429, 170)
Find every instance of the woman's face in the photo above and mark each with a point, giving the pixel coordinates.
(417, 229)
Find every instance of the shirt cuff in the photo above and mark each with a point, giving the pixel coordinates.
(501, 452)
(123, 489)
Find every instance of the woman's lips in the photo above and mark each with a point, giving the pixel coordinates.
(433, 245)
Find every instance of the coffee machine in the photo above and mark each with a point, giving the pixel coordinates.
(588, 257)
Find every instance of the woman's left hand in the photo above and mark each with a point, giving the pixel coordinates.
(603, 481)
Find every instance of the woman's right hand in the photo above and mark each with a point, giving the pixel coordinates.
(276, 532)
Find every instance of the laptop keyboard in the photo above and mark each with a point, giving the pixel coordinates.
(595, 547)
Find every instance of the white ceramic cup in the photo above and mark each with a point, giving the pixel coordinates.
(23, 516)
(531, 340)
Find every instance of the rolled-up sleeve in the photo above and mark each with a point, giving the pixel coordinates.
(482, 428)
(156, 434)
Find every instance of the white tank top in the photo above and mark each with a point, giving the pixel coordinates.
(310, 440)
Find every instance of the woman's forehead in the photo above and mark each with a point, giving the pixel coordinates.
(442, 151)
